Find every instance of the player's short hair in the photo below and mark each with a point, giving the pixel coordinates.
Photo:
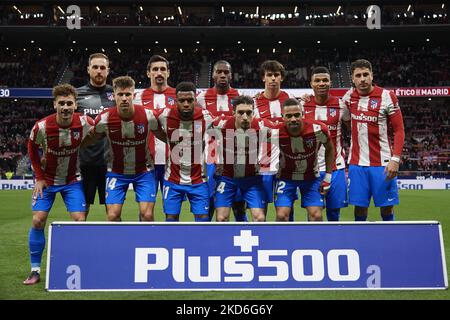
(221, 62)
(157, 58)
(98, 55)
(123, 82)
(185, 86)
(242, 100)
(273, 66)
(320, 69)
(360, 63)
(64, 90)
(291, 102)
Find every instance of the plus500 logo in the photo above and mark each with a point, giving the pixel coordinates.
(242, 268)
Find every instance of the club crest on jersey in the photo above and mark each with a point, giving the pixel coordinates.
(309, 142)
(76, 135)
(373, 103)
(332, 112)
(171, 101)
(140, 128)
(109, 96)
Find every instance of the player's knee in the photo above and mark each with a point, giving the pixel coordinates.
(114, 215)
(361, 211)
(387, 211)
(258, 215)
(147, 216)
(222, 218)
(39, 222)
(315, 214)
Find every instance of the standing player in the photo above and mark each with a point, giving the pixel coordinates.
(127, 129)
(185, 127)
(60, 136)
(299, 143)
(268, 106)
(373, 162)
(240, 134)
(92, 99)
(158, 96)
(330, 111)
(218, 101)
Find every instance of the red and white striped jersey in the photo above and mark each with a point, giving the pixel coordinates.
(60, 148)
(240, 149)
(217, 105)
(185, 164)
(127, 140)
(331, 115)
(270, 108)
(371, 116)
(156, 100)
(298, 155)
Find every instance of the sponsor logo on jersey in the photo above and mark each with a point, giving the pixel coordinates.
(365, 118)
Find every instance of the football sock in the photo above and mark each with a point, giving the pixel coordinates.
(291, 215)
(333, 214)
(171, 219)
(199, 219)
(36, 243)
(389, 217)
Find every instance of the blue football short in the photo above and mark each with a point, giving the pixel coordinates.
(286, 192)
(367, 182)
(197, 194)
(336, 197)
(251, 190)
(117, 187)
(72, 194)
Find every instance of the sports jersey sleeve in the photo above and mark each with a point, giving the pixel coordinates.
(395, 117)
(35, 140)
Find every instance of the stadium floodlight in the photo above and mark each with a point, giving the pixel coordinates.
(115, 41)
(74, 42)
(223, 9)
(103, 50)
(280, 42)
(118, 49)
(165, 50)
(98, 9)
(338, 10)
(32, 41)
(239, 42)
(273, 51)
(257, 50)
(443, 6)
(356, 41)
(156, 42)
(307, 17)
(257, 10)
(290, 50)
(409, 8)
(428, 39)
(392, 41)
(295, 9)
(243, 49)
(355, 16)
(17, 9)
(197, 42)
(289, 15)
(179, 11)
(39, 49)
(212, 49)
(61, 10)
(181, 50)
(318, 41)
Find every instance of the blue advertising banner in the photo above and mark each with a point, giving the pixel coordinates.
(238, 256)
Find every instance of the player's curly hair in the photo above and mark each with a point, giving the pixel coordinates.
(123, 82)
(64, 90)
(185, 86)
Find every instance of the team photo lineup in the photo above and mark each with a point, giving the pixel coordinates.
(271, 148)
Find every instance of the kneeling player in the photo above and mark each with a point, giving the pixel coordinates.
(60, 136)
(299, 143)
(240, 134)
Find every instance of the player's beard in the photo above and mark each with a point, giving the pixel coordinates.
(99, 80)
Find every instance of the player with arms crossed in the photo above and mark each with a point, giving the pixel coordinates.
(240, 136)
(218, 101)
(268, 105)
(92, 99)
(330, 111)
(299, 143)
(373, 162)
(60, 136)
(127, 128)
(158, 96)
(185, 127)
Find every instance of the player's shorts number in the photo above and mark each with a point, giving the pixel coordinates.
(221, 187)
(166, 191)
(280, 186)
(111, 183)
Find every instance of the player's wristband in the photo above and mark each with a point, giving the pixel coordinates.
(395, 159)
(327, 177)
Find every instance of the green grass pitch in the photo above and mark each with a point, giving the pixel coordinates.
(15, 221)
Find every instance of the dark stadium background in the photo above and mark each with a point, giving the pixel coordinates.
(410, 50)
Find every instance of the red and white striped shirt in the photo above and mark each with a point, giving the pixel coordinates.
(331, 115)
(157, 100)
(127, 140)
(240, 149)
(185, 164)
(371, 117)
(217, 105)
(298, 155)
(270, 109)
(60, 147)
